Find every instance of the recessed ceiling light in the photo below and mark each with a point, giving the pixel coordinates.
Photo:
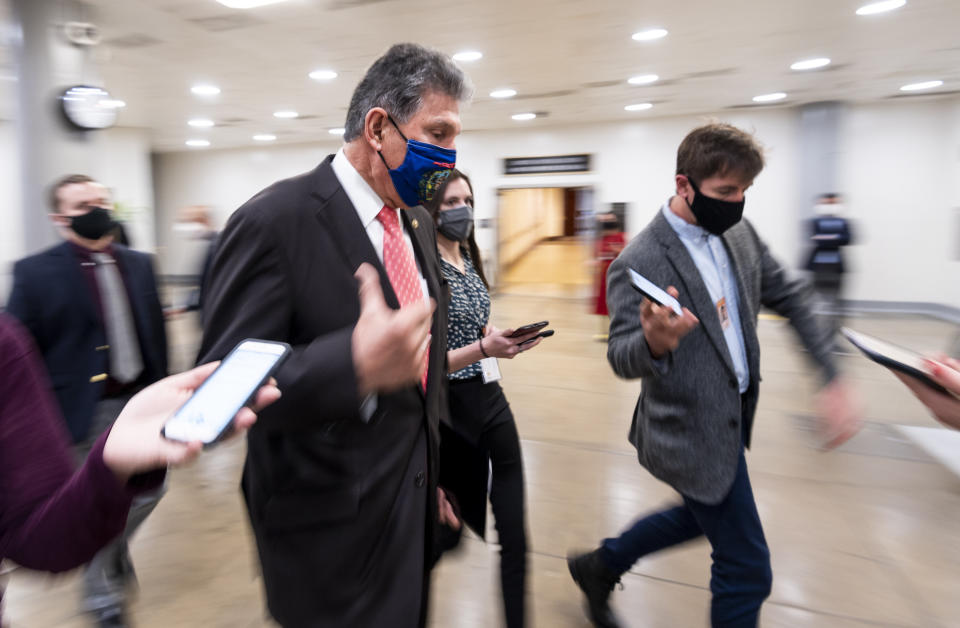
(643, 106)
(286, 115)
(880, 7)
(811, 64)
(200, 123)
(265, 137)
(524, 116)
(337, 131)
(198, 143)
(468, 55)
(112, 104)
(775, 96)
(323, 75)
(918, 87)
(205, 90)
(643, 79)
(505, 92)
(650, 34)
(248, 4)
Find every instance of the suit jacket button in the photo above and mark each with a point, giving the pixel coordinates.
(733, 383)
(734, 422)
(419, 480)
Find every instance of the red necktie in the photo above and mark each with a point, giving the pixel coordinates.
(401, 268)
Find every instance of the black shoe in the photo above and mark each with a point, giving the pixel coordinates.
(112, 617)
(597, 582)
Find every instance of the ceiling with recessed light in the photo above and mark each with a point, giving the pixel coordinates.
(569, 61)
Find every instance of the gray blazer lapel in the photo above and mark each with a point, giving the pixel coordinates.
(693, 287)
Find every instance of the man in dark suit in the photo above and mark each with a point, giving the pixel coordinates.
(93, 310)
(341, 474)
(701, 375)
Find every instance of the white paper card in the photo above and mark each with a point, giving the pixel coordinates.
(490, 369)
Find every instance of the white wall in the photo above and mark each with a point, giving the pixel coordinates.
(224, 180)
(900, 172)
(122, 163)
(901, 164)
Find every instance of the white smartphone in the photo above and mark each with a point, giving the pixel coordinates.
(208, 413)
(653, 292)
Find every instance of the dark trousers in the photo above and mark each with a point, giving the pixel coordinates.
(506, 498)
(110, 572)
(482, 417)
(740, 576)
(829, 288)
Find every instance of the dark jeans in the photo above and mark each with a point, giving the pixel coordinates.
(741, 575)
(829, 288)
(108, 574)
(506, 498)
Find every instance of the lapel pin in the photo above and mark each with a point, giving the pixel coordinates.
(415, 223)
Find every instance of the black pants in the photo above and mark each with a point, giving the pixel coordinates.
(485, 409)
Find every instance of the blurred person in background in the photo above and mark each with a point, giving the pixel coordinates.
(829, 233)
(610, 242)
(340, 479)
(92, 308)
(479, 412)
(701, 375)
(53, 518)
(195, 222)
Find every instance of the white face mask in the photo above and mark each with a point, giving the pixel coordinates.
(828, 209)
(190, 229)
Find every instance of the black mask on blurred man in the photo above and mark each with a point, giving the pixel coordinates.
(93, 225)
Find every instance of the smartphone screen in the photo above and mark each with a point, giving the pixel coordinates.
(653, 292)
(209, 412)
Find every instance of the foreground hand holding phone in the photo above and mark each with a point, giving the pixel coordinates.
(944, 371)
(135, 444)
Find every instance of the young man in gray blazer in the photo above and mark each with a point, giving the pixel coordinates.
(701, 375)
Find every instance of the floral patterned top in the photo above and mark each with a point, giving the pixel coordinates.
(469, 310)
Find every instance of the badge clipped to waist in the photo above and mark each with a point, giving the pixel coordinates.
(490, 370)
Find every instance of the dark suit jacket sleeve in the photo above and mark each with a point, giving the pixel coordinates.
(791, 298)
(248, 296)
(627, 349)
(50, 517)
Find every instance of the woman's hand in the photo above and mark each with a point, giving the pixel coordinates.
(498, 344)
(135, 444)
(946, 372)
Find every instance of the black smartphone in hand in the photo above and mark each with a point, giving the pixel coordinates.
(546, 333)
(526, 329)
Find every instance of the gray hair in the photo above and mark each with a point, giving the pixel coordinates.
(397, 82)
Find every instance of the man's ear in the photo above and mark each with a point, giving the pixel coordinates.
(373, 124)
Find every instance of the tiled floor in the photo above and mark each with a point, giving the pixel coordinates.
(866, 536)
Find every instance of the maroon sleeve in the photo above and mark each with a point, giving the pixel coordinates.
(51, 517)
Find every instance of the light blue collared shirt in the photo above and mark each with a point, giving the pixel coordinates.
(711, 259)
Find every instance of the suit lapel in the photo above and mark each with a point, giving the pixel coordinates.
(75, 281)
(421, 245)
(340, 217)
(694, 288)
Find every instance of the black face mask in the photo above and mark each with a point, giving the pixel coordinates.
(456, 224)
(93, 225)
(713, 214)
